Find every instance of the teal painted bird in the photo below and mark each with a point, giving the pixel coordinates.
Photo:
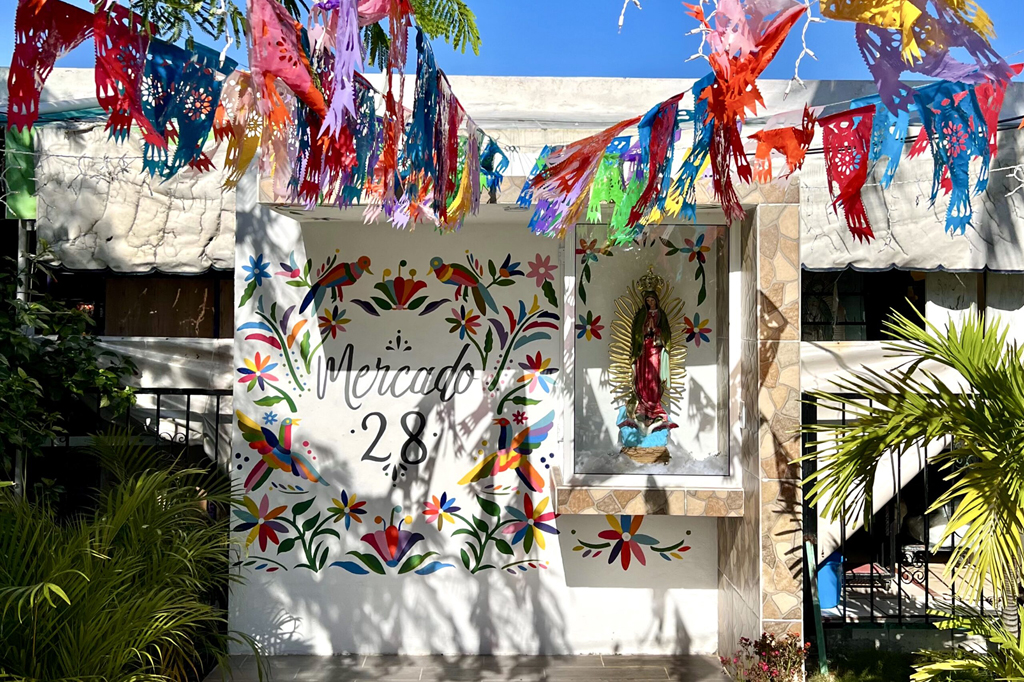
(341, 275)
(462, 277)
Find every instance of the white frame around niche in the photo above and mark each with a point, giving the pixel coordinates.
(567, 255)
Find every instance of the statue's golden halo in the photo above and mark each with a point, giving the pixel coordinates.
(621, 367)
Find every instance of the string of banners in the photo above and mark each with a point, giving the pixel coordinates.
(314, 119)
(302, 104)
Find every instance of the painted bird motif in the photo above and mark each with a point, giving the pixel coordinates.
(341, 275)
(513, 453)
(276, 450)
(462, 277)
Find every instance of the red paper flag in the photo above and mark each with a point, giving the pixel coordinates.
(121, 43)
(275, 51)
(846, 138)
(44, 31)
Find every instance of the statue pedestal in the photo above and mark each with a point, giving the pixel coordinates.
(641, 446)
(647, 455)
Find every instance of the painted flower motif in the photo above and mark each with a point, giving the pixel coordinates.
(259, 521)
(440, 510)
(696, 249)
(269, 418)
(848, 160)
(696, 330)
(256, 371)
(590, 251)
(347, 508)
(400, 292)
(332, 322)
(463, 322)
(258, 270)
(536, 373)
(392, 543)
(519, 417)
(291, 269)
(589, 326)
(541, 270)
(627, 541)
(509, 269)
(956, 138)
(530, 524)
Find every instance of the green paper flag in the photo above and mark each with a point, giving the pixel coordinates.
(20, 174)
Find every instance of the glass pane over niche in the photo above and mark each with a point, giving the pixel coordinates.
(650, 360)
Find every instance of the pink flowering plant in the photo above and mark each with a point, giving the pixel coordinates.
(767, 659)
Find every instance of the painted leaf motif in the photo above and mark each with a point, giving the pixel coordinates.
(431, 568)
(250, 289)
(503, 547)
(489, 507)
(465, 558)
(549, 294)
(523, 400)
(372, 562)
(269, 401)
(351, 567)
(481, 526)
(311, 522)
(286, 545)
(302, 507)
(414, 561)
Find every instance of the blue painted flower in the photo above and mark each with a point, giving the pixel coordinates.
(269, 418)
(258, 270)
(509, 269)
(347, 508)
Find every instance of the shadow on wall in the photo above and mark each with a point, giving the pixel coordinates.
(450, 600)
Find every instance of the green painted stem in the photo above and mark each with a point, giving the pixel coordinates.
(291, 403)
(517, 389)
(284, 350)
(508, 351)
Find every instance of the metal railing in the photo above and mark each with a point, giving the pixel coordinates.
(888, 576)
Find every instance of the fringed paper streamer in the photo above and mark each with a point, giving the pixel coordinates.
(462, 203)
(239, 100)
(698, 158)
(790, 141)
(493, 164)
(846, 138)
(347, 56)
(367, 146)
(608, 187)
(446, 154)
(888, 136)
(734, 92)
(525, 199)
(122, 39)
(657, 134)
(372, 11)
(399, 21)
(939, 34)
(475, 140)
(419, 138)
(44, 31)
(563, 185)
(957, 133)
(275, 51)
(164, 66)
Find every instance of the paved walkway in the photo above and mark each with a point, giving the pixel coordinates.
(477, 668)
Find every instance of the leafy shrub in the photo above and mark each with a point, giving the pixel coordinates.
(127, 592)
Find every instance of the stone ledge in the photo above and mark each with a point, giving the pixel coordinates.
(582, 499)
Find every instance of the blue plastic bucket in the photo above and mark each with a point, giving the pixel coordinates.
(830, 581)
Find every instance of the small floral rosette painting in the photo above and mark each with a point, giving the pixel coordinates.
(624, 544)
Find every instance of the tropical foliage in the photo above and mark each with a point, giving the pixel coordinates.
(982, 415)
(128, 591)
(450, 20)
(48, 360)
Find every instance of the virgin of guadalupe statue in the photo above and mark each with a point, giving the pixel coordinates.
(647, 357)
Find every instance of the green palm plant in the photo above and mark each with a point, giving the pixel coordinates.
(1002, 660)
(127, 592)
(982, 414)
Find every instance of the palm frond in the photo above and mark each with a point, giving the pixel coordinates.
(911, 406)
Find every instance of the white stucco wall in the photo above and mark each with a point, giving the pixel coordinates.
(558, 599)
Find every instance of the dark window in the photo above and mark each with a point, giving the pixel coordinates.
(853, 306)
(152, 305)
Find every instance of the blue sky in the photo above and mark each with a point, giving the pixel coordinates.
(581, 38)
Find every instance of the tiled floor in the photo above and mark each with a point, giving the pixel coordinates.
(476, 668)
